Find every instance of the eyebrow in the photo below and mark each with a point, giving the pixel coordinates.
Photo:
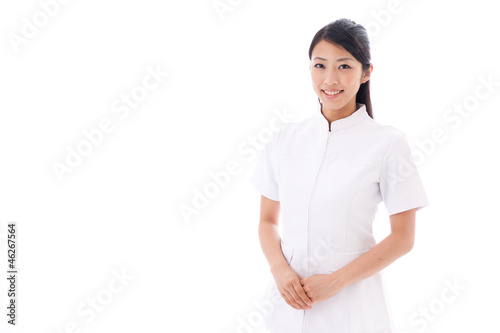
(339, 59)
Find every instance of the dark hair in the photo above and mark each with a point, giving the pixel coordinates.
(354, 38)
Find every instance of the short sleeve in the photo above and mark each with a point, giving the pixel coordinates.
(400, 184)
(264, 177)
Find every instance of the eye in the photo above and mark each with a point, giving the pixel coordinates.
(319, 65)
(346, 66)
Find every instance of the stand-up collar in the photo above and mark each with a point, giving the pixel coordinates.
(354, 118)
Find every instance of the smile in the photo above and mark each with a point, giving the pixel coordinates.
(333, 92)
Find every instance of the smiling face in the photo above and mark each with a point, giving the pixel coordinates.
(336, 77)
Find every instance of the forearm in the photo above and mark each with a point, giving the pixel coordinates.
(270, 242)
(374, 260)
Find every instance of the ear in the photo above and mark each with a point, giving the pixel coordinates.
(367, 74)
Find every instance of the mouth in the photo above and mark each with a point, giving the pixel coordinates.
(332, 93)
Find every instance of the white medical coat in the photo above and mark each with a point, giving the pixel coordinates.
(329, 182)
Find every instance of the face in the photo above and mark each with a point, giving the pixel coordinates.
(336, 77)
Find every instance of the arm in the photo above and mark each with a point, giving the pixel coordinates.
(396, 244)
(270, 240)
(287, 280)
(399, 242)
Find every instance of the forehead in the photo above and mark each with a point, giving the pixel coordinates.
(329, 51)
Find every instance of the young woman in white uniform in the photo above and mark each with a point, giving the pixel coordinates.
(326, 176)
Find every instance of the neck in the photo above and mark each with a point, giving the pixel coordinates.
(332, 115)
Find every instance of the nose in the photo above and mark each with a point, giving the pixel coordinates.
(331, 78)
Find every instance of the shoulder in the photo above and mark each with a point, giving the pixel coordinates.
(384, 129)
(379, 140)
(279, 135)
(383, 133)
(297, 129)
(287, 132)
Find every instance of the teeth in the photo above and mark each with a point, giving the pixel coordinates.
(332, 93)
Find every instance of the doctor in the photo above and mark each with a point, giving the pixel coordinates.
(326, 176)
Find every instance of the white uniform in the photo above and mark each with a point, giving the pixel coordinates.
(329, 185)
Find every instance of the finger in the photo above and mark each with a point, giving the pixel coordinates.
(288, 300)
(297, 299)
(287, 297)
(302, 295)
(291, 298)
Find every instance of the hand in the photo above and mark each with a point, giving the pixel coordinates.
(288, 283)
(320, 287)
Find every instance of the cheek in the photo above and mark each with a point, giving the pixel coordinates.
(316, 80)
(314, 76)
(352, 80)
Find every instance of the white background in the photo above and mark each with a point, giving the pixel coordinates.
(119, 208)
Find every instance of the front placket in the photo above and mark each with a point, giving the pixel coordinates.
(308, 248)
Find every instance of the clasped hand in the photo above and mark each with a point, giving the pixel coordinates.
(301, 293)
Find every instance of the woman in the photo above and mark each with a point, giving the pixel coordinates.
(326, 176)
